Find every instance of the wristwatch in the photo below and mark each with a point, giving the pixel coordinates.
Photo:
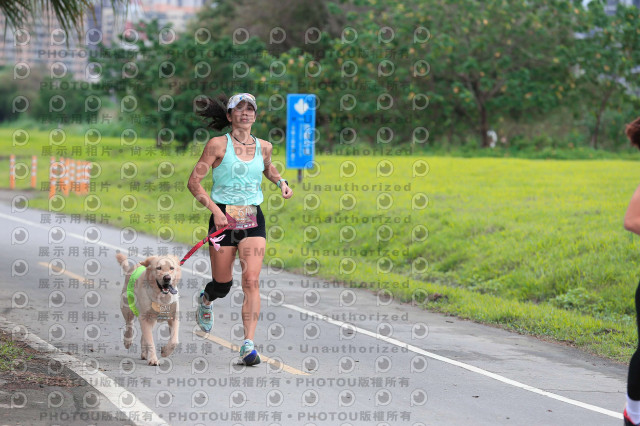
(282, 180)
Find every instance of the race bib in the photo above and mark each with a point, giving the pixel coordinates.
(242, 217)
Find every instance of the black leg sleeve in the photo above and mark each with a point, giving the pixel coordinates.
(215, 290)
(633, 381)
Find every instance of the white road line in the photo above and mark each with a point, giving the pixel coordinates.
(396, 342)
(126, 401)
(73, 234)
(468, 367)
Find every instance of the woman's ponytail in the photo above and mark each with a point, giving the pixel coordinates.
(633, 132)
(215, 110)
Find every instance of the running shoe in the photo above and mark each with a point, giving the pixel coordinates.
(204, 315)
(627, 420)
(249, 354)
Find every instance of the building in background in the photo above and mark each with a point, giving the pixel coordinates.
(612, 5)
(44, 45)
(174, 12)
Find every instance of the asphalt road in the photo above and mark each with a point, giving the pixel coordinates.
(335, 355)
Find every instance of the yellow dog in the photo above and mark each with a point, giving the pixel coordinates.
(150, 294)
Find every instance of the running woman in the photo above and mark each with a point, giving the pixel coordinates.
(238, 160)
(632, 223)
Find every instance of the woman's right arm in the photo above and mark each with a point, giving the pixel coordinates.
(632, 217)
(205, 162)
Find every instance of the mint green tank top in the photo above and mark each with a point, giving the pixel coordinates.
(237, 182)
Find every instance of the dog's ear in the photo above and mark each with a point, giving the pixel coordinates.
(148, 261)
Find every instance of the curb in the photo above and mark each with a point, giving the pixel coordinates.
(130, 409)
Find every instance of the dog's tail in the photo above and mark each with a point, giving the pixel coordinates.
(122, 260)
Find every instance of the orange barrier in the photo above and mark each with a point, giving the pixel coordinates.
(87, 181)
(69, 175)
(12, 172)
(52, 177)
(65, 176)
(34, 168)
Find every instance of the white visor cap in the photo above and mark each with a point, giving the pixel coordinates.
(236, 99)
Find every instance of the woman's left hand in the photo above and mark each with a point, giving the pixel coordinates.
(286, 191)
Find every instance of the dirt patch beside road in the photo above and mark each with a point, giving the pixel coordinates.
(25, 368)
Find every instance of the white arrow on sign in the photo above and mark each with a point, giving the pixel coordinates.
(301, 106)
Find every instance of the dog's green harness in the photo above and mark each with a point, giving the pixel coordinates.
(131, 297)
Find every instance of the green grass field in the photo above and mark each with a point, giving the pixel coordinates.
(534, 246)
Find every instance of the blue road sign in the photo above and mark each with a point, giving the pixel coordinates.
(301, 130)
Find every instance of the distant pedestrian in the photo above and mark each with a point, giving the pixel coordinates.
(632, 223)
(238, 160)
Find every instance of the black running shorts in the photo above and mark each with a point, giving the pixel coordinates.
(233, 236)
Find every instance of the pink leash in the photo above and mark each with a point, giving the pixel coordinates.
(231, 224)
(210, 237)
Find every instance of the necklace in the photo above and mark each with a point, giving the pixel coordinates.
(239, 141)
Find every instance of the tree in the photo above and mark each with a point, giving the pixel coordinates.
(69, 13)
(58, 101)
(280, 24)
(607, 54)
(23, 92)
(214, 17)
(157, 84)
(499, 57)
